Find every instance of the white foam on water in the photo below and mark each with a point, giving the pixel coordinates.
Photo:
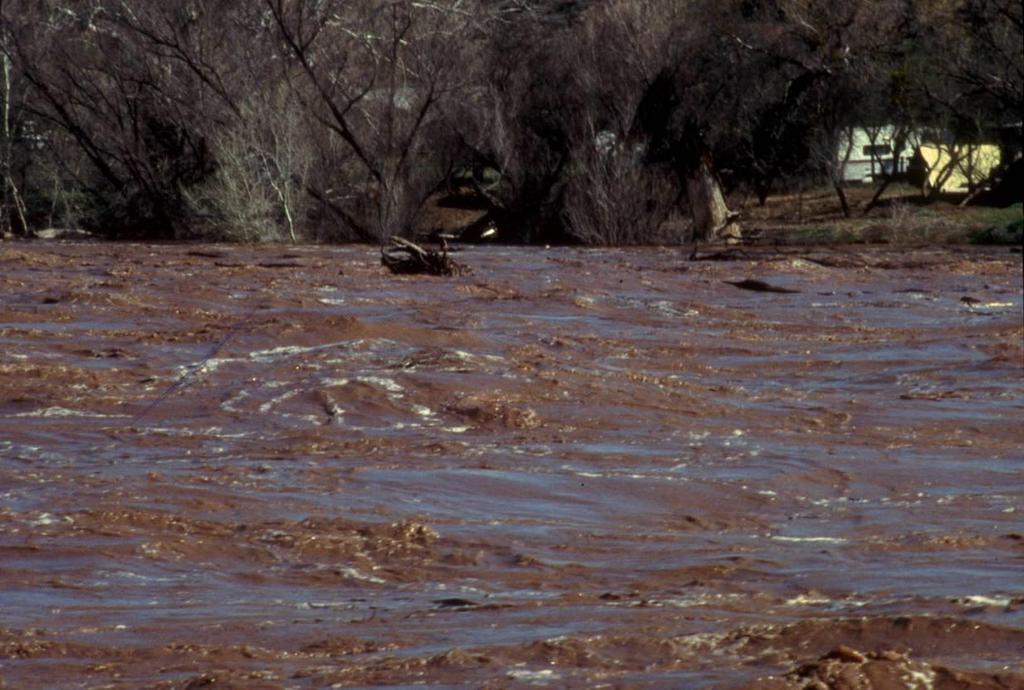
(353, 574)
(51, 412)
(332, 605)
(541, 677)
(424, 411)
(136, 577)
(919, 680)
(811, 540)
(43, 519)
(979, 600)
(388, 384)
(274, 402)
(621, 473)
(219, 433)
(292, 350)
(155, 551)
(208, 366)
(311, 419)
(531, 594)
(808, 600)
(213, 431)
(820, 600)
(691, 601)
(471, 356)
(991, 305)
(204, 366)
(228, 405)
(665, 307)
(709, 643)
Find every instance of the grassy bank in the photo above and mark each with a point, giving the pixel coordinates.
(901, 217)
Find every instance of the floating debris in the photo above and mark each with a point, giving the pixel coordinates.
(406, 258)
(758, 286)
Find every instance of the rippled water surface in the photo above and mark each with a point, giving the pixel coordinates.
(283, 468)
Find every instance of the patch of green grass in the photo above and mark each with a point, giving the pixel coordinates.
(1003, 226)
(835, 234)
(816, 234)
(910, 223)
(1001, 216)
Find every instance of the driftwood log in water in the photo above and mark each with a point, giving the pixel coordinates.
(758, 286)
(405, 257)
(732, 254)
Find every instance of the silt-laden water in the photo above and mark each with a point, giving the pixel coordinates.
(270, 468)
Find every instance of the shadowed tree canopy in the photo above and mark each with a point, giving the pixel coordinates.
(600, 122)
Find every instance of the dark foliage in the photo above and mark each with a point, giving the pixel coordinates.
(598, 122)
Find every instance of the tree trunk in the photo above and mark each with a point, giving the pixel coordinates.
(711, 218)
(6, 139)
(878, 195)
(762, 194)
(843, 201)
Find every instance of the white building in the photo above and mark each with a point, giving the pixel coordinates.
(866, 154)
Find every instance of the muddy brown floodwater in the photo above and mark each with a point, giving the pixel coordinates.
(268, 468)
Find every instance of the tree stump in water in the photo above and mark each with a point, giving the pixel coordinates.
(407, 258)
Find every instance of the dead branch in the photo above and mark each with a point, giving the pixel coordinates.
(407, 258)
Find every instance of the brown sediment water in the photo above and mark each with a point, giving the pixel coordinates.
(272, 468)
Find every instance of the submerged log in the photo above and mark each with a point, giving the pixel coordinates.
(758, 286)
(407, 258)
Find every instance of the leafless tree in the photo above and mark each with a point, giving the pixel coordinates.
(520, 117)
(613, 195)
(375, 76)
(118, 78)
(991, 63)
(258, 191)
(12, 123)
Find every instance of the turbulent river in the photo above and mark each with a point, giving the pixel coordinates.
(270, 468)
